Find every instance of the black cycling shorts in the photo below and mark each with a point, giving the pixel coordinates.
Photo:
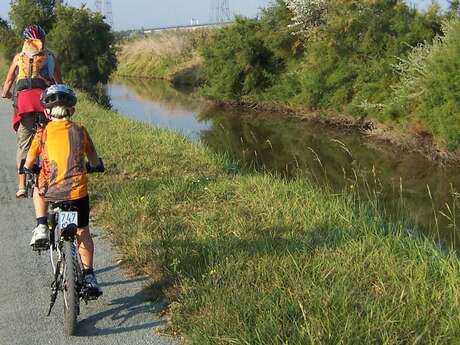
(82, 206)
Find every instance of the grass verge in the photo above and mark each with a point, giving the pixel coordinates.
(253, 259)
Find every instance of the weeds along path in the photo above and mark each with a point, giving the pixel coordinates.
(124, 315)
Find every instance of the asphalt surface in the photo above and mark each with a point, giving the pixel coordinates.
(126, 313)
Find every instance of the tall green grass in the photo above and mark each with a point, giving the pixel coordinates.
(253, 259)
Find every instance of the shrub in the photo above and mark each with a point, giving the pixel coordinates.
(237, 62)
(430, 85)
(348, 62)
(248, 57)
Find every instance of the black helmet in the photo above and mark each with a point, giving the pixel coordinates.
(58, 94)
(34, 32)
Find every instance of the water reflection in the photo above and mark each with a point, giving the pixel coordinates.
(157, 103)
(337, 159)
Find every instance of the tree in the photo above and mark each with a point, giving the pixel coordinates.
(3, 24)
(454, 7)
(26, 12)
(84, 44)
(8, 40)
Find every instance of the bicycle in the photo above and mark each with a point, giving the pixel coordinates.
(67, 269)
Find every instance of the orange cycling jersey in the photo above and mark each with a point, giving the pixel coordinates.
(61, 148)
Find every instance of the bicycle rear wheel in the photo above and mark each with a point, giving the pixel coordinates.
(71, 298)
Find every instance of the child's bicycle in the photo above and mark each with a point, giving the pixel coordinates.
(64, 257)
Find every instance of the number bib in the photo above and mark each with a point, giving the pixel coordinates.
(66, 218)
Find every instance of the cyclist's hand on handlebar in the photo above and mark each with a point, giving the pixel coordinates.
(98, 168)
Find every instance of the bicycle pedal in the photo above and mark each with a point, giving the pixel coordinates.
(92, 296)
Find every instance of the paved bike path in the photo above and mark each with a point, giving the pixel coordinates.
(124, 315)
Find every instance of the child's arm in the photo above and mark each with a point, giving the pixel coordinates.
(90, 150)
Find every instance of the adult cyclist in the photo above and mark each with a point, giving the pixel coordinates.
(32, 70)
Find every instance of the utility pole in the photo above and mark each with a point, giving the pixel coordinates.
(219, 11)
(104, 7)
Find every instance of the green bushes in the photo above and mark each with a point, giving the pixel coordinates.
(346, 63)
(338, 56)
(430, 85)
(248, 57)
(237, 61)
(349, 61)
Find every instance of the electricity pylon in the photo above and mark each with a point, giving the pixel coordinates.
(104, 7)
(220, 11)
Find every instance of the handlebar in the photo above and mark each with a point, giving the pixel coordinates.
(35, 170)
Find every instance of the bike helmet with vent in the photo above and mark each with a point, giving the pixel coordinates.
(34, 32)
(58, 95)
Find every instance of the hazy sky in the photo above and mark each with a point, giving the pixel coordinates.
(134, 14)
(130, 14)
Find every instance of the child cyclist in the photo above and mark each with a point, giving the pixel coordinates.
(61, 148)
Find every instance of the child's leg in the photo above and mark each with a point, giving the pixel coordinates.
(85, 247)
(40, 205)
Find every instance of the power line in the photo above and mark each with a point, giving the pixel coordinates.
(219, 11)
(104, 7)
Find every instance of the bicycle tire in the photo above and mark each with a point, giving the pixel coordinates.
(71, 298)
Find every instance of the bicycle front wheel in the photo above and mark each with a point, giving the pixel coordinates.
(71, 298)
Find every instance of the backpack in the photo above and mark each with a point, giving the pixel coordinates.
(32, 60)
